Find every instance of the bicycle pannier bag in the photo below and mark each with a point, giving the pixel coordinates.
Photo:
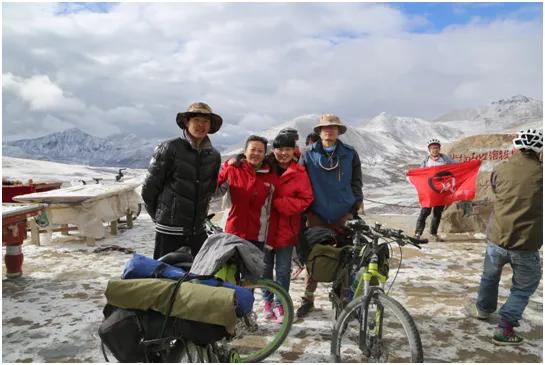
(323, 262)
(122, 332)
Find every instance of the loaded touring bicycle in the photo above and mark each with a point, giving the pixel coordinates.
(160, 311)
(368, 324)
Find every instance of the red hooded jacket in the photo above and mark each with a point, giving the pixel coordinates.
(250, 193)
(292, 196)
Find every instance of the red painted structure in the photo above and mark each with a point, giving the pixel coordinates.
(9, 191)
(14, 227)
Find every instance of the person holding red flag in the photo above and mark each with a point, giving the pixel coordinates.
(434, 159)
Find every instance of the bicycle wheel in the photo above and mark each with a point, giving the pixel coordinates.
(256, 336)
(376, 329)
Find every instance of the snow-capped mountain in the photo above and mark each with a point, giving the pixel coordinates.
(502, 115)
(386, 144)
(303, 124)
(381, 154)
(414, 132)
(76, 146)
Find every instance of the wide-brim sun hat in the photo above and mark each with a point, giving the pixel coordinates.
(330, 120)
(197, 109)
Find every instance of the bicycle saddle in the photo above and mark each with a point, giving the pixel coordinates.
(180, 258)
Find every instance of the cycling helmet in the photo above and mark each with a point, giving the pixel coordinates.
(434, 141)
(529, 139)
(290, 132)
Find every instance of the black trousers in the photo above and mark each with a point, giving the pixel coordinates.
(435, 220)
(166, 243)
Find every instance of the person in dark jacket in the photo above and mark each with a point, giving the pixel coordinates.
(434, 158)
(334, 169)
(515, 235)
(181, 179)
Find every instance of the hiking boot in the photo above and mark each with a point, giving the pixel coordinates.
(472, 311)
(268, 310)
(506, 336)
(306, 306)
(417, 235)
(278, 312)
(436, 238)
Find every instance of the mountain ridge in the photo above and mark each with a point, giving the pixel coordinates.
(384, 142)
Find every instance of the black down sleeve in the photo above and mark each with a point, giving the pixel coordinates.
(158, 171)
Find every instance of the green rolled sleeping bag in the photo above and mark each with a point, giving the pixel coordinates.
(196, 302)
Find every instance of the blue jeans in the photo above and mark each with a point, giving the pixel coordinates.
(283, 268)
(526, 276)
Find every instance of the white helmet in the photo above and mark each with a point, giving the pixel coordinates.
(529, 139)
(434, 141)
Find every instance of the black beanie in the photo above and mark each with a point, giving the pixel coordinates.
(284, 140)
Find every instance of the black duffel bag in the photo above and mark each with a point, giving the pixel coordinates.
(125, 333)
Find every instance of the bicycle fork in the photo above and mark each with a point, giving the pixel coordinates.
(370, 325)
(370, 329)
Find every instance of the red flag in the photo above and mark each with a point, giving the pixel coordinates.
(445, 184)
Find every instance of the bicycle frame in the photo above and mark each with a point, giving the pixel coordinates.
(356, 261)
(372, 269)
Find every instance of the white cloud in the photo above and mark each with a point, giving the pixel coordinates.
(40, 93)
(254, 122)
(134, 67)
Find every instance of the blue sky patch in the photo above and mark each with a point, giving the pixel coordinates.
(441, 15)
(71, 8)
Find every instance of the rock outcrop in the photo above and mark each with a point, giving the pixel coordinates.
(491, 149)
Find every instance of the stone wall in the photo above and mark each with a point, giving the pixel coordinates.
(491, 149)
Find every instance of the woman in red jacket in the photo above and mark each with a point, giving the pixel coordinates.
(250, 188)
(292, 196)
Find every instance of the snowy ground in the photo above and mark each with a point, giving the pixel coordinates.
(52, 313)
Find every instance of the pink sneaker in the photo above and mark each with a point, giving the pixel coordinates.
(278, 312)
(268, 310)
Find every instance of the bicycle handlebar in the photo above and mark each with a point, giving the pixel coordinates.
(359, 225)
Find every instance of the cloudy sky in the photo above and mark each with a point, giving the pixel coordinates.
(114, 68)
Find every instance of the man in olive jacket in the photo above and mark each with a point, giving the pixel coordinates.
(515, 235)
(180, 181)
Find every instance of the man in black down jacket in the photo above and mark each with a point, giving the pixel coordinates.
(180, 181)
